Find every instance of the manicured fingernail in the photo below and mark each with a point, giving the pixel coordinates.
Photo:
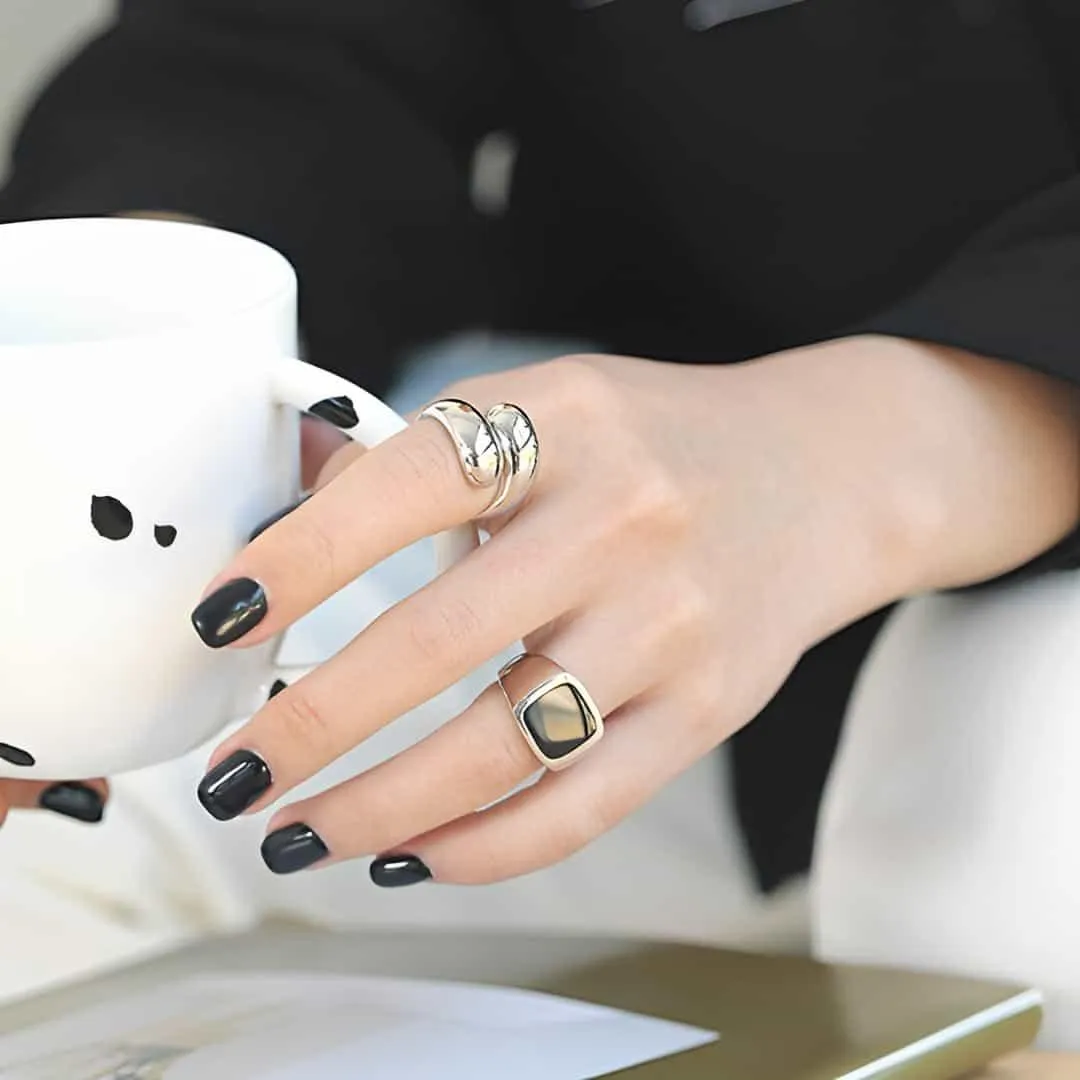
(339, 411)
(273, 519)
(228, 789)
(276, 688)
(292, 848)
(74, 801)
(230, 612)
(396, 871)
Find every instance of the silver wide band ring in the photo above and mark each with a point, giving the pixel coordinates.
(558, 718)
(499, 450)
(520, 448)
(478, 447)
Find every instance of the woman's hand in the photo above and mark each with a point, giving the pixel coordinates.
(81, 801)
(691, 532)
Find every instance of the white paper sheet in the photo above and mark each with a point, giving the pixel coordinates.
(270, 1026)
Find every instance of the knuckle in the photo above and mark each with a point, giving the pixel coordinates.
(489, 739)
(423, 463)
(684, 619)
(439, 631)
(649, 508)
(530, 556)
(302, 722)
(582, 386)
(657, 503)
(317, 550)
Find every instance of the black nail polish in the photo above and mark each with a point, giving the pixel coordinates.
(273, 519)
(228, 789)
(74, 801)
(339, 411)
(396, 871)
(230, 612)
(292, 848)
(276, 688)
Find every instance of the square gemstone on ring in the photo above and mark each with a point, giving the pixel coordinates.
(559, 721)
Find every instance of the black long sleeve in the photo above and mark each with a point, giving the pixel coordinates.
(1012, 290)
(340, 134)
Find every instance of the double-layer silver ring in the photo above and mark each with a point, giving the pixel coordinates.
(497, 450)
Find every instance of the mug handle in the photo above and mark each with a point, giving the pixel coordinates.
(362, 417)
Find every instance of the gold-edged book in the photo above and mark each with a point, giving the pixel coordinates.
(778, 1018)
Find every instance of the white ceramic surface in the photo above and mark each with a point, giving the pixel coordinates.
(146, 362)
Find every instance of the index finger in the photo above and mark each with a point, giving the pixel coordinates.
(405, 489)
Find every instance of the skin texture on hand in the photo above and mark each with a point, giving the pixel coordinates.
(692, 531)
(966, 467)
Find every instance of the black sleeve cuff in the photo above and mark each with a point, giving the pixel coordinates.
(1012, 293)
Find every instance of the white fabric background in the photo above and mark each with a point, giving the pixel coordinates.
(950, 838)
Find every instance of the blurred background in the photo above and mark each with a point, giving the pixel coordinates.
(36, 35)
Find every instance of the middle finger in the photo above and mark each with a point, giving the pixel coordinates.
(463, 766)
(522, 579)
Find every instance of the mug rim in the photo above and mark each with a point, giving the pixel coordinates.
(282, 283)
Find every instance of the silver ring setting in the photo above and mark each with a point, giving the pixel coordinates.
(521, 450)
(499, 450)
(478, 447)
(558, 718)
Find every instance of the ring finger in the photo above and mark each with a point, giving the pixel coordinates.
(464, 766)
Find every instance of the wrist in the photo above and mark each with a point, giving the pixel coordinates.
(834, 412)
(934, 468)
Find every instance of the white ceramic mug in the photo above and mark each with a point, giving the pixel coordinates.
(149, 418)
